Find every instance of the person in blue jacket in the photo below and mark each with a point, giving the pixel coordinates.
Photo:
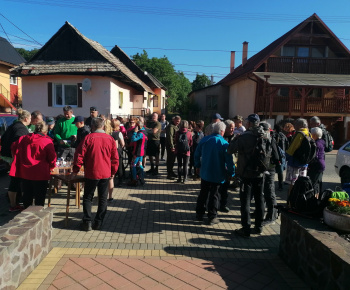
(214, 165)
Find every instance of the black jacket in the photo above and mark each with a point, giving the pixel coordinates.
(12, 134)
(81, 133)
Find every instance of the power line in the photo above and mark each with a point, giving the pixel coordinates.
(20, 29)
(176, 12)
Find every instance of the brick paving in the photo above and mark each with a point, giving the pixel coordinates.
(150, 240)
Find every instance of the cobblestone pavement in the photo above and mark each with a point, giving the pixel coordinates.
(150, 240)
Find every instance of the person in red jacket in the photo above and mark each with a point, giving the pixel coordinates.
(98, 153)
(34, 158)
(183, 143)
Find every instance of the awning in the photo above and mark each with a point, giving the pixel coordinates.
(5, 102)
(302, 80)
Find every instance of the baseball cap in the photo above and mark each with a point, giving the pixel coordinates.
(217, 116)
(50, 121)
(93, 108)
(253, 118)
(78, 119)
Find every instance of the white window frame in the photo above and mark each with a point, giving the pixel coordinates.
(63, 95)
(13, 80)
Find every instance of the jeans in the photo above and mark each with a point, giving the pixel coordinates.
(270, 195)
(34, 189)
(182, 165)
(66, 152)
(208, 189)
(252, 187)
(137, 161)
(89, 190)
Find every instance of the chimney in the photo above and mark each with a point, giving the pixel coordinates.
(232, 65)
(245, 53)
(212, 79)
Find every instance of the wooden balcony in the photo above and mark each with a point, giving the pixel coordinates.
(308, 65)
(321, 106)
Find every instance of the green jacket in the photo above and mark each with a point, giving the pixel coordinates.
(170, 135)
(65, 129)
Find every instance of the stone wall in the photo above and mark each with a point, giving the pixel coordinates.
(24, 242)
(315, 252)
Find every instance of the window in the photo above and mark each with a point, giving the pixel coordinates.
(65, 94)
(288, 51)
(120, 100)
(318, 51)
(163, 103)
(13, 80)
(303, 51)
(212, 102)
(317, 93)
(283, 92)
(155, 101)
(149, 100)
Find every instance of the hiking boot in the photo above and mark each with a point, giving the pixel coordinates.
(199, 217)
(155, 172)
(256, 231)
(173, 174)
(184, 181)
(150, 171)
(178, 180)
(224, 209)
(97, 226)
(213, 221)
(170, 177)
(242, 233)
(86, 226)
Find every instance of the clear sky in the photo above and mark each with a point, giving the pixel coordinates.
(196, 35)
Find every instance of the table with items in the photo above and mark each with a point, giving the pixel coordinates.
(62, 172)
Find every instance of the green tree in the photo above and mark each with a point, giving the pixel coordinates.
(178, 86)
(27, 54)
(200, 82)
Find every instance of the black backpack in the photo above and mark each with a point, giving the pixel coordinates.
(307, 150)
(182, 144)
(328, 139)
(259, 160)
(302, 196)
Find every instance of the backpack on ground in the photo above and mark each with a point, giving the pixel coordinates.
(307, 150)
(182, 144)
(329, 142)
(259, 160)
(302, 197)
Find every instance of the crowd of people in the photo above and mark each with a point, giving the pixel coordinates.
(222, 155)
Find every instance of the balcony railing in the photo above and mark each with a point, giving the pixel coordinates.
(4, 92)
(308, 65)
(312, 105)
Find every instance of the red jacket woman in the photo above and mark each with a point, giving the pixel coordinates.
(34, 157)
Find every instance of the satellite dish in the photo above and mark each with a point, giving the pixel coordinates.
(86, 85)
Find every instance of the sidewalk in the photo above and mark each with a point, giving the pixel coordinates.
(149, 240)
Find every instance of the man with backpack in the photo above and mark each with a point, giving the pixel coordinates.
(301, 151)
(254, 152)
(170, 146)
(326, 136)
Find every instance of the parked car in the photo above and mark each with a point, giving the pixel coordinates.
(342, 163)
(5, 121)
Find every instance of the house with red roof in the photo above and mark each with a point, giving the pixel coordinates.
(304, 73)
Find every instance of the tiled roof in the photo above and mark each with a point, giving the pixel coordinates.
(148, 78)
(101, 61)
(256, 60)
(9, 54)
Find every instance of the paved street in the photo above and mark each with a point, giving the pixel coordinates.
(150, 240)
